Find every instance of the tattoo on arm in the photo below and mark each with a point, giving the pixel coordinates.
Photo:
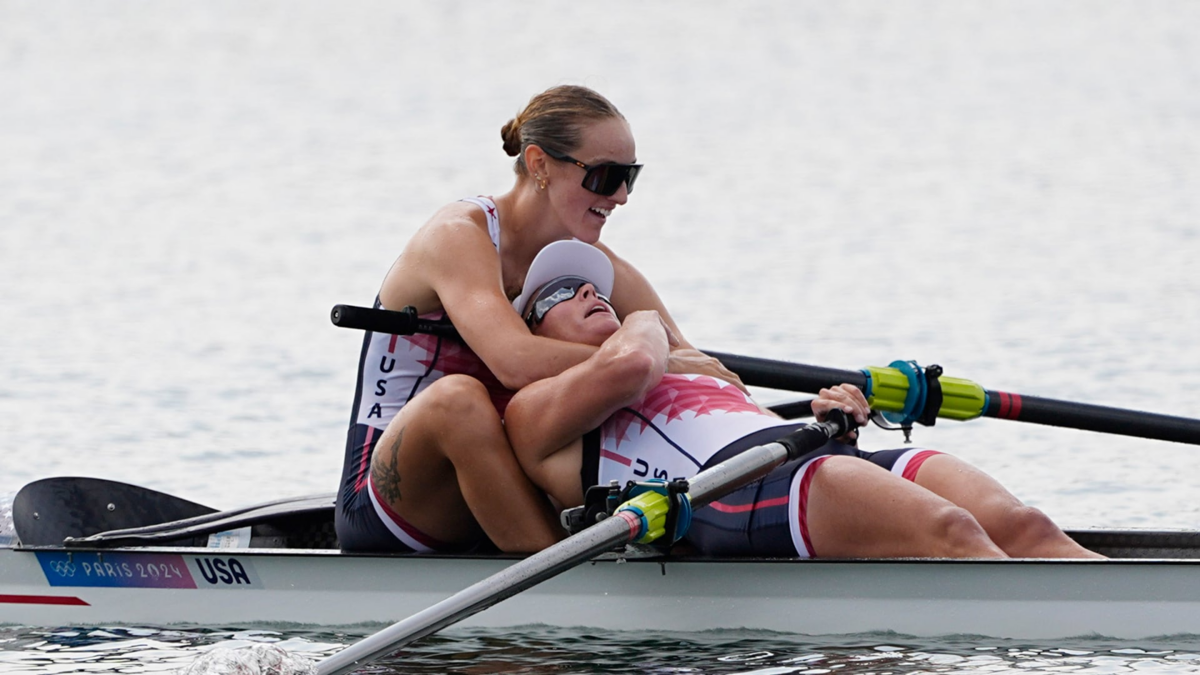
(384, 474)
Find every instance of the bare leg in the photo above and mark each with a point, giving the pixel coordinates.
(445, 465)
(1022, 531)
(859, 510)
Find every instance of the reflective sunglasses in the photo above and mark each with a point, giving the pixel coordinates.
(557, 291)
(603, 179)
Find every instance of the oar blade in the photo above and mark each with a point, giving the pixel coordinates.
(48, 511)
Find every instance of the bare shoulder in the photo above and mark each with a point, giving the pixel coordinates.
(453, 243)
(454, 222)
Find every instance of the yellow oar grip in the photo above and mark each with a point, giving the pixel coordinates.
(890, 391)
(961, 399)
(652, 508)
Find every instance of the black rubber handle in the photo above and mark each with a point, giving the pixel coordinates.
(403, 322)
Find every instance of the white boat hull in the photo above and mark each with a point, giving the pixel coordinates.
(1039, 599)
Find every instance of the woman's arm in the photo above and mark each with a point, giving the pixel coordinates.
(545, 419)
(451, 263)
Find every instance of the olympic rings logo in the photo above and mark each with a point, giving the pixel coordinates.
(63, 568)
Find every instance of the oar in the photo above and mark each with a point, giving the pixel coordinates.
(406, 322)
(902, 390)
(47, 511)
(640, 519)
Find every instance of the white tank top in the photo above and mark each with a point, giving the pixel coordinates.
(395, 368)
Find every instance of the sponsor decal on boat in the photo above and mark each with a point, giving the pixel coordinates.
(116, 570)
(148, 570)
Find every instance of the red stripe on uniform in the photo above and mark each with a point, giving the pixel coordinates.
(742, 508)
(409, 528)
(805, 485)
(914, 464)
(42, 600)
(392, 344)
(362, 466)
(605, 454)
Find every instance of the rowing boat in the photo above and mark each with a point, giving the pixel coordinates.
(278, 563)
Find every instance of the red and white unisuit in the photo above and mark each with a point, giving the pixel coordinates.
(392, 369)
(690, 422)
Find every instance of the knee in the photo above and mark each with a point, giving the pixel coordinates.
(1026, 528)
(960, 535)
(459, 417)
(459, 401)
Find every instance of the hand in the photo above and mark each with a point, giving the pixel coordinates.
(695, 362)
(849, 399)
(647, 329)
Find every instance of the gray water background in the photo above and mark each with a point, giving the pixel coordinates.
(1010, 190)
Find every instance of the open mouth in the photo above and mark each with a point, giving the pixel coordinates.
(603, 213)
(598, 309)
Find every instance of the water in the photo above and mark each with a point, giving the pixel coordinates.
(542, 650)
(1010, 190)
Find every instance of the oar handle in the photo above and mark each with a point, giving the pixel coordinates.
(403, 322)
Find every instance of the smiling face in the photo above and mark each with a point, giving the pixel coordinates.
(582, 211)
(584, 319)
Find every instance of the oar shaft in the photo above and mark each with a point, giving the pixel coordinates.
(772, 374)
(604, 536)
(965, 400)
(1088, 417)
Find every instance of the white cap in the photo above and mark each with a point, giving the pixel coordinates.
(566, 258)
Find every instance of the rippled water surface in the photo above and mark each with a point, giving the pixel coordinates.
(543, 650)
(1011, 190)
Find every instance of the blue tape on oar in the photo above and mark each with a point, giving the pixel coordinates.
(914, 398)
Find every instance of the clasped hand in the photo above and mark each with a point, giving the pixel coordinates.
(849, 399)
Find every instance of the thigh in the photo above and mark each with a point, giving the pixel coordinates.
(752, 520)
(411, 473)
(857, 509)
(967, 486)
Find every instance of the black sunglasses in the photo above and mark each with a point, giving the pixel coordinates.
(557, 291)
(603, 179)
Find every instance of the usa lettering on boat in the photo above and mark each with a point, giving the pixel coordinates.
(228, 571)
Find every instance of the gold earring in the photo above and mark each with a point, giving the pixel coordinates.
(541, 182)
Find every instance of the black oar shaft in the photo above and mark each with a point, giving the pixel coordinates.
(1088, 417)
(758, 372)
(789, 376)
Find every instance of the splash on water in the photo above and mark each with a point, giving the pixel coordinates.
(256, 659)
(8, 534)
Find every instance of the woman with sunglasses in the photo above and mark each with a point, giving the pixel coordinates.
(619, 417)
(428, 466)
